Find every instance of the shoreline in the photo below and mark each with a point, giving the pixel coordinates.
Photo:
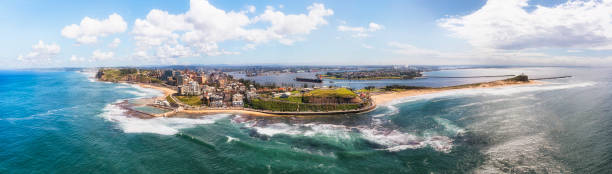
(377, 99)
(166, 91)
(388, 97)
(228, 111)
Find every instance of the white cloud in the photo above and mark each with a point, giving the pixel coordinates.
(203, 27)
(410, 54)
(89, 29)
(75, 58)
(40, 52)
(360, 32)
(115, 43)
(251, 9)
(407, 49)
(367, 46)
(100, 55)
(283, 25)
(177, 51)
(507, 25)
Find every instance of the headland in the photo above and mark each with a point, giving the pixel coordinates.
(201, 93)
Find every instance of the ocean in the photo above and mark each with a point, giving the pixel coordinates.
(64, 122)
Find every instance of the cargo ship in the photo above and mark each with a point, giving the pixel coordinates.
(313, 80)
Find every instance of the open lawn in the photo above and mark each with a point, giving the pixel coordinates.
(295, 99)
(190, 100)
(338, 92)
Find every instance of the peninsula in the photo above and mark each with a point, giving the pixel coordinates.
(208, 92)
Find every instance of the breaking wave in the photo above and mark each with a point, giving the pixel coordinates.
(392, 110)
(496, 101)
(392, 140)
(137, 91)
(449, 127)
(311, 129)
(162, 125)
(396, 141)
(90, 74)
(230, 139)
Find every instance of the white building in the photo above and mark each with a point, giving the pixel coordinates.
(192, 88)
(237, 100)
(217, 104)
(250, 95)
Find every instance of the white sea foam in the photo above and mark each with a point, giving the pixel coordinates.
(90, 74)
(497, 101)
(311, 129)
(230, 139)
(139, 92)
(395, 140)
(314, 152)
(392, 140)
(449, 126)
(506, 90)
(392, 110)
(164, 126)
(527, 153)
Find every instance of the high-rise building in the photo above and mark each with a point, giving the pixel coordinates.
(167, 74)
(179, 80)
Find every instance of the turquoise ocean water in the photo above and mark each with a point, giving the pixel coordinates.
(64, 122)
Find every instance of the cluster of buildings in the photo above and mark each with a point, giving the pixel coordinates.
(381, 73)
(231, 94)
(273, 71)
(215, 89)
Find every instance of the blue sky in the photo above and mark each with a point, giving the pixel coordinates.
(161, 32)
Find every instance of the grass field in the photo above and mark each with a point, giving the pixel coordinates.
(190, 100)
(338, 92)
(170, 100)
(295, 99)
(293, 107)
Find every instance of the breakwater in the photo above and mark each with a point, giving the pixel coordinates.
(467, 76)
(548, 78)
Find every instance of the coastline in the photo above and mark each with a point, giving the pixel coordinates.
(388, 97)
(378, 99)
(167, 91)
(232, 111)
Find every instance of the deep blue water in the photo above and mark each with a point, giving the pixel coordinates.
(63, 122)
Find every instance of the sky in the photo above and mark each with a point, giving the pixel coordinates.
(42, 34)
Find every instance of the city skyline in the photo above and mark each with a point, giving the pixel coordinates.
(118, 33)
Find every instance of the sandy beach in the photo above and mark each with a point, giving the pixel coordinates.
(385, 98)
(166, 91)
